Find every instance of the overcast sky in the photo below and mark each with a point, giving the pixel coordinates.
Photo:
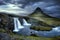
(49, 7)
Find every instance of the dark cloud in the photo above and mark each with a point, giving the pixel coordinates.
(49, 7)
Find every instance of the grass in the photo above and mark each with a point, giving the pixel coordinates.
(46, 19)
(21, 37)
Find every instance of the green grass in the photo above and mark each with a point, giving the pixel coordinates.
(46, 19)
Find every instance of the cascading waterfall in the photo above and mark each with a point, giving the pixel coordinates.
(17, 25)
(25, 23)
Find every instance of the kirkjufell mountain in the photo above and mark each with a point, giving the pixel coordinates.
(39, 15)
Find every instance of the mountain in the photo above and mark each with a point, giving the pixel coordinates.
(39, 15)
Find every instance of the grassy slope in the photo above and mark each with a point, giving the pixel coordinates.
(49, 20)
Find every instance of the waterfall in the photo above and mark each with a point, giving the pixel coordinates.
(17, 25)
(25, 23)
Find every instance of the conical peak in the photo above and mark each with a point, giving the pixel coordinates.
(38, 8)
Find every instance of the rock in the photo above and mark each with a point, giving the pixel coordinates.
(6, 22)
(4, 36)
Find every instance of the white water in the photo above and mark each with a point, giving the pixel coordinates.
(25, 23)
(56, 29)
(17, 25)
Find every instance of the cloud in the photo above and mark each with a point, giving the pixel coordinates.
(49, 7)
(13, 10)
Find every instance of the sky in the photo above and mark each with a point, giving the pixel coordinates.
(49, 7)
